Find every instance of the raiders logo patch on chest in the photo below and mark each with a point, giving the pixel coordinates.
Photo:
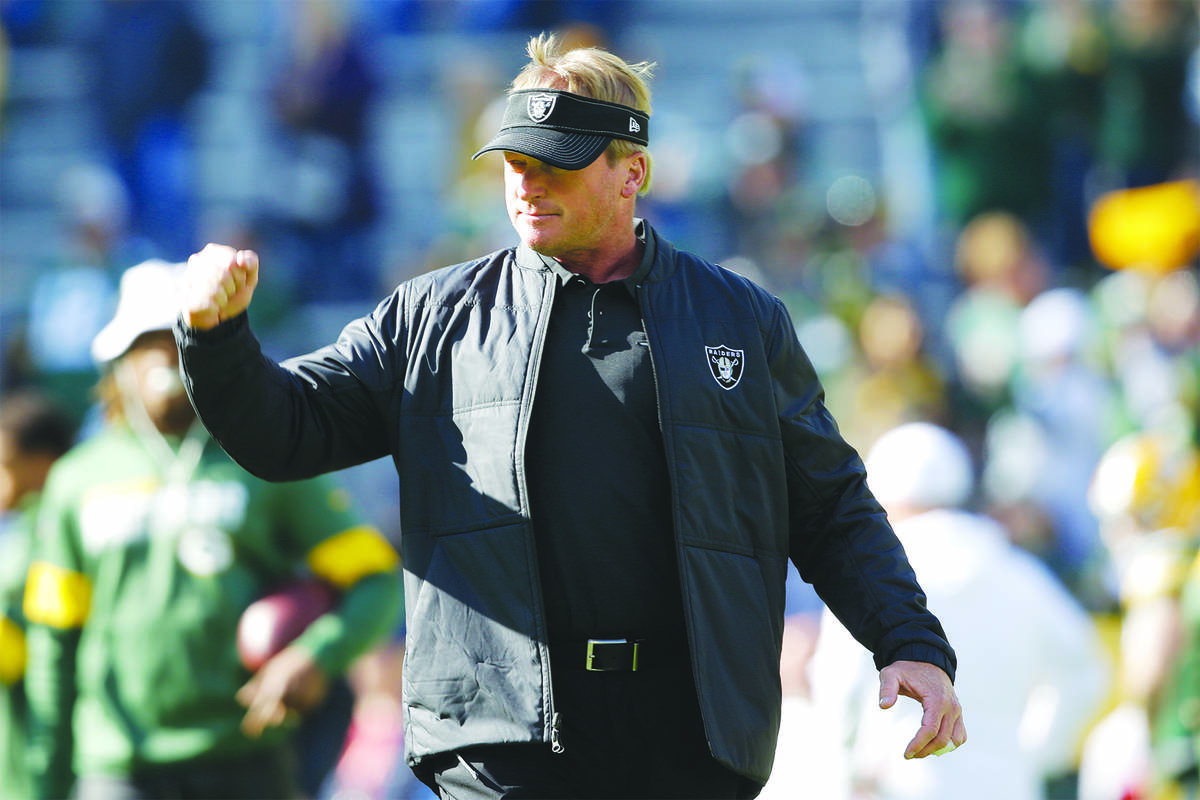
(725, 364)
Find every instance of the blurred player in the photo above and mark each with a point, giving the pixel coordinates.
(151, 543)
(34, 433)
(1146, 494)
(1033, 664)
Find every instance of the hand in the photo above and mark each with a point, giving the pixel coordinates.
(942, 727)
(219, 283)
(290, 682)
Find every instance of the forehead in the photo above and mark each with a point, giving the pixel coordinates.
(154, 340)
(510, 155)
(513, 155)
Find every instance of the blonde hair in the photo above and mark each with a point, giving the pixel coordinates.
(591, 72)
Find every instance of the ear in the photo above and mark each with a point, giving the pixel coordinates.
(635, 176)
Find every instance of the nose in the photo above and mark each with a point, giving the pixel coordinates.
(530, 183)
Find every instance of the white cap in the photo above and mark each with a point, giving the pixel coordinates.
(920, 464)
(150, 297)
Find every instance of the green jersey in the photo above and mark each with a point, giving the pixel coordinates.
(140, 574)
(16, 538)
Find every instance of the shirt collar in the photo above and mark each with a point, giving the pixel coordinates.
(639, 275)
(643, 233)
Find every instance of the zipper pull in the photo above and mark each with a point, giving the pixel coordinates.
(555, 742)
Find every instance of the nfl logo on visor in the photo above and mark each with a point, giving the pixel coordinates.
(725, 364)
(540, 106)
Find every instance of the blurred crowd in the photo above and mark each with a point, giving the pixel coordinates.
(1020, 270)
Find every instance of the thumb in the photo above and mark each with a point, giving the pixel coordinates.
(889, 689)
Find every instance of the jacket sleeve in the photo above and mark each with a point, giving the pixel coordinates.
(353, 557)
(56, 604)
(370, 609)
(308, 415)
(840, 539)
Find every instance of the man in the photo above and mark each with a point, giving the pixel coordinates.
(1034, 668)
(34, 433)
(151, 543)
(607, 449)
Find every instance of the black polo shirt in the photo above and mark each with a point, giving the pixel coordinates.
(597, 475)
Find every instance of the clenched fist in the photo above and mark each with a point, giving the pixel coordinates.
(219, 283)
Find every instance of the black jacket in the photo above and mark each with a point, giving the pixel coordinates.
(441, 377)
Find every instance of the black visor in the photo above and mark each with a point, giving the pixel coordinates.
(566, 130)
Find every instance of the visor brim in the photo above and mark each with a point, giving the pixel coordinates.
(570, 151)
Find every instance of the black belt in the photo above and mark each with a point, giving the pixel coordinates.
(618, 655)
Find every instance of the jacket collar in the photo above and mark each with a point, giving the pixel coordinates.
(661, 267)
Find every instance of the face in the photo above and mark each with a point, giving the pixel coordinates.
(153, 364)
(20, 472)
(572, 214)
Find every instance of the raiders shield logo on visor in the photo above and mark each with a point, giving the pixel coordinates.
(540, 106)
(725, 364)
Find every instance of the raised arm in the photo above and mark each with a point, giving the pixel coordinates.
(313, 414)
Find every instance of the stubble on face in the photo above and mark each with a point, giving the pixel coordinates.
(575, 216)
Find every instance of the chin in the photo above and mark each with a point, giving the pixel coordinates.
(538, 236)
(540, 244)
(173, 417)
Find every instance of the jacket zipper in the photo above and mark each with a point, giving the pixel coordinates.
(539, 338)
(644, 306)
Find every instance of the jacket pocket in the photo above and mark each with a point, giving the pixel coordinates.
(736, 619)
(472, 670)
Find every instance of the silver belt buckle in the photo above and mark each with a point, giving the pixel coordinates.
(591, 653)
